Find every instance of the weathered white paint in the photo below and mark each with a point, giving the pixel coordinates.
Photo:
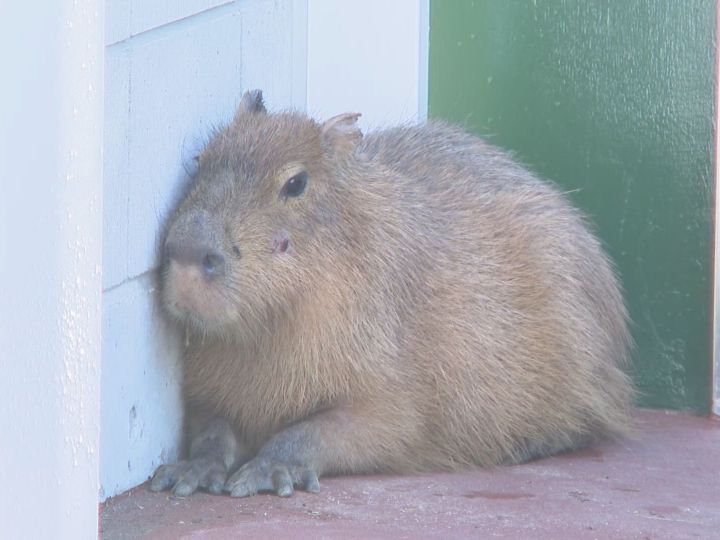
(174, 70)
(126, 18)
(141, 414)
(368, 57)
(51, 108)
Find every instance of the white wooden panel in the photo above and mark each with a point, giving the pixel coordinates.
(51, 108)
(141, 401)
(116, 167)
(126, 18)
(368, 57)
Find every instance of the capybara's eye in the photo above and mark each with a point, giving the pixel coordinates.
(296, 185)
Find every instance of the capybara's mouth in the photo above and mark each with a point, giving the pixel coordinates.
(192, 299)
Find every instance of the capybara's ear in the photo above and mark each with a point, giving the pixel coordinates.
(341, 132)
(251, 102)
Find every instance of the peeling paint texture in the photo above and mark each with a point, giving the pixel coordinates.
(614, 101)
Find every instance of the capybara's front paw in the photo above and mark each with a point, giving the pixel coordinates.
(185, 477)
(266, 474)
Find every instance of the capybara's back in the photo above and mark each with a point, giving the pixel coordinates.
(405, 301)
(521, 334)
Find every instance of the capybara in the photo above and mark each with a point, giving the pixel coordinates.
(408, 300)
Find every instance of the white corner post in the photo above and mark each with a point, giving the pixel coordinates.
(51, 107)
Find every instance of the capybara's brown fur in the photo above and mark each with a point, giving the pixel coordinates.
(410, 300)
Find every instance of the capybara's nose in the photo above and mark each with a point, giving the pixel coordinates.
(207, 259)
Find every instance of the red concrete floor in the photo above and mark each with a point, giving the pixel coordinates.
(664, 484)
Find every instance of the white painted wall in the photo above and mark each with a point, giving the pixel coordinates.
(51, 112)
(173, 70)
(368, 56)
(69, 231)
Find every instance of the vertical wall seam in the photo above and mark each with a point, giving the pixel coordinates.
(715, 362)
(424, 59)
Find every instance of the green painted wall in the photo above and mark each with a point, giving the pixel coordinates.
(613, 99)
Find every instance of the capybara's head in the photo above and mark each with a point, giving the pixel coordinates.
(243, 244)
